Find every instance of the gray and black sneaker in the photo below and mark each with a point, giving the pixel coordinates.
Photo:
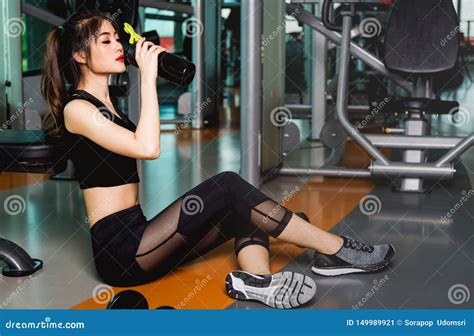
(281, 290)
(353, 257)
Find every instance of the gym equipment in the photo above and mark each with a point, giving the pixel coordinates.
(295, 85)
(131, 299)
(414, 57)
(333, 135)
(170, 67)
(19, 263)
(118, 85)
(291, 135)
(27, 151)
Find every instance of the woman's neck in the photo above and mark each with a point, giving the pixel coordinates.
(101, 92)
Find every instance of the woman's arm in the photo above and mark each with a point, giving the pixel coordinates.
(148, 127)
(83, 118)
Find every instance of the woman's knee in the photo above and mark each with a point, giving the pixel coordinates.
(228, 177)
(228, 174)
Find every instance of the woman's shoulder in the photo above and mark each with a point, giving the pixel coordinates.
(74, 111)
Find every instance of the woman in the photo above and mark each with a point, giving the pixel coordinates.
(104, 145)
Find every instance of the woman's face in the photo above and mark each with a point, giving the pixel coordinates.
(107, 51)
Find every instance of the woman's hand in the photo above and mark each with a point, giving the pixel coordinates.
(146, 55)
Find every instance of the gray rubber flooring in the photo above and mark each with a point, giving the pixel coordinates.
(433, 236)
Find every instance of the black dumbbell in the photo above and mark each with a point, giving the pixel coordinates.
(131, 299)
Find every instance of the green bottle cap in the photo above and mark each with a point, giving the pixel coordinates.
(134, 37)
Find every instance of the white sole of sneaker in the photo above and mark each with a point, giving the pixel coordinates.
(282, 290)
(338, 271)
(348, 270)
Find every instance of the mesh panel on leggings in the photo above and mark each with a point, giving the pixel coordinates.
(163, 247)
(160, 240)
(211, 240)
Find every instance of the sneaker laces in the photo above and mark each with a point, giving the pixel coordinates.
(357, 245)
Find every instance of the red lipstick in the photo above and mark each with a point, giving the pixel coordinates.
(120, 59)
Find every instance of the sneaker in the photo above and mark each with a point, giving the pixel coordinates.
(353, 257)
(281, 290)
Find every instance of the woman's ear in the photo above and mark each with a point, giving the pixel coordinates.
(79, 57)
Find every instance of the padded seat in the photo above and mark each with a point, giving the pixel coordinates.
(28, 151)
(421, 37)
(429, 106)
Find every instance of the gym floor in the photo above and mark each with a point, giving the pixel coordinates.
(434, 256)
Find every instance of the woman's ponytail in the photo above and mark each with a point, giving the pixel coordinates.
(53, 86)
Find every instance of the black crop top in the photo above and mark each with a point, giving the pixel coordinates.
(94, 165)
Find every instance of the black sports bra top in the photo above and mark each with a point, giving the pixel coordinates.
(94, 165)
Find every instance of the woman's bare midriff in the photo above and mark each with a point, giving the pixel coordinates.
(103, 201)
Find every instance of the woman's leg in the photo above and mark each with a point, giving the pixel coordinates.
(300, 232)
(334, 254)
(223, 230)
(254, 259)
(197, 219)
(223, 207)
(251, 248)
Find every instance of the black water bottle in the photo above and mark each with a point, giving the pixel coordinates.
(170, 67)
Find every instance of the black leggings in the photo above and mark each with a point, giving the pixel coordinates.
(130, 250)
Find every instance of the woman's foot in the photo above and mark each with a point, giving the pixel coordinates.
(353, 257)
(280, 290)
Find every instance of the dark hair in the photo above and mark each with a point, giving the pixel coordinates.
(60, 68)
